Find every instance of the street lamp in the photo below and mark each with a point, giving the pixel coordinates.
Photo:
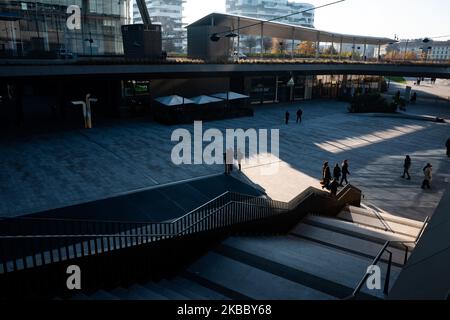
(90, 40)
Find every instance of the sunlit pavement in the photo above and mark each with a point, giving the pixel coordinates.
(54, 170)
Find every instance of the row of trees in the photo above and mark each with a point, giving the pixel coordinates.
(274, 45)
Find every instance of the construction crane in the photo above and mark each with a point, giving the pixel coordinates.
(144, 12)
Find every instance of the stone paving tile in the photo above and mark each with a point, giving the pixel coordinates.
(46, 171)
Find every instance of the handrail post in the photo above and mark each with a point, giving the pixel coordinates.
(388, 274)
(406, 255)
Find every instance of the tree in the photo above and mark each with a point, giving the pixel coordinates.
(250, 42)
(279, 46)
(331, 50)
(267, 44)
(307, 48)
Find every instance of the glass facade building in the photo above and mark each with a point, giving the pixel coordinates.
(38, 28)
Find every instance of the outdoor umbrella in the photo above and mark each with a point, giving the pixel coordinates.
(173, 100)
(205, 99)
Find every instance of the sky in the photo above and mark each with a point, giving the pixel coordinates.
(408, 19)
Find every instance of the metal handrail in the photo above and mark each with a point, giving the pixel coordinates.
(380, 254)
(192, 222)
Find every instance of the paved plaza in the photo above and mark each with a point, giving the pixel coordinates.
(46, 171)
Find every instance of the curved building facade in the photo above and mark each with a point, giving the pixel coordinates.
(270, 9)
(40, 28)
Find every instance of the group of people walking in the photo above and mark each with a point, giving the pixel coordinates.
(299, 114)
(427, 172)
(333, 182)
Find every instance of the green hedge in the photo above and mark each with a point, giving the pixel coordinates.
(371, 103)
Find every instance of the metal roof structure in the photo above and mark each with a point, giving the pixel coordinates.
(243, 25)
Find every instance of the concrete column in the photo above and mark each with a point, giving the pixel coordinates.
(262, 39)
(332, 46)
(239, 36)
(318, 45)
(379, 53)
(353, 49)
(365, 48)
(293, 43)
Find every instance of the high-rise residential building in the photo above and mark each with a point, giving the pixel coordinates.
(270, 9)
(169, 13)
(39, 27)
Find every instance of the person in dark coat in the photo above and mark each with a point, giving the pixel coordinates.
(326, 176)
(428, 176)
(337, 172)
(299, 115)
(414, 97)
(447, 144)
(334, 187)
(287, 116)
(345, 173)
(406, 167)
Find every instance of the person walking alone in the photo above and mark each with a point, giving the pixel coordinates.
(345, 173)
(428, 176)
(299, 115)
(406, 167)
(326, 176)
(239, 157)
(287, 116)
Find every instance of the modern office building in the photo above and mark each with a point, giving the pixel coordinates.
(39, 28)
(169, 13)
(270, 9)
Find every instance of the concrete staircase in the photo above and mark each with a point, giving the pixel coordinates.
(321, 258)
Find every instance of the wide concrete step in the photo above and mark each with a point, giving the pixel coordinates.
(344, 242)
(137, 292)
(369, 218)
(375, 212)
(164, 290)
(249, 281)
(203, 292)
(171, 285)
(357, 230)
(323, 268)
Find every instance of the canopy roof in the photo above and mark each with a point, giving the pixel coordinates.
(229, 95)
(173, 100)
(205, 99)
(281, 30)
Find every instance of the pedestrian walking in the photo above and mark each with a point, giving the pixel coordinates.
(326, 176)
(287, 116)
(334, 187)
(428, 176)
(406, 167)
(337, 172)
(239, 157)
(414, 98)
(299, 115)
(225, 163)
(230, 159)
(447, 144)
(397, 96)
(345, 173)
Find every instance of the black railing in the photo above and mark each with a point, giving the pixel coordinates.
(31, 242)
(378, 257)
